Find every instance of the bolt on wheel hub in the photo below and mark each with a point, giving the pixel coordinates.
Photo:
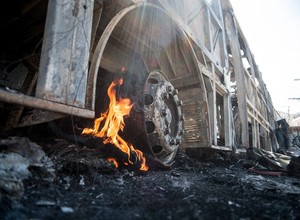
(163, 117)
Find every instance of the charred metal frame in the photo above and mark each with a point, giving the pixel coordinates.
(78, 35)
(254, 101)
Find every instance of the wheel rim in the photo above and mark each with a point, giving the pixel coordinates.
(163, 117)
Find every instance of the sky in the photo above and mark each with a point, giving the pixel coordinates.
(272, 30)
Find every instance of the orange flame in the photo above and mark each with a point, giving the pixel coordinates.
(114, 121)
(114, 161)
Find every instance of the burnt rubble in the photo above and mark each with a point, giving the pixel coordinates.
(62, 180)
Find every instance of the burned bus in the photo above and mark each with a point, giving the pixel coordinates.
(186, 68)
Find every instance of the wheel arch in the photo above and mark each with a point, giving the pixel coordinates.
(178, 59)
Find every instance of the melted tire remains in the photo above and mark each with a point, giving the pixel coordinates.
(163, 117)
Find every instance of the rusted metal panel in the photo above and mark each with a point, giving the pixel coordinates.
(65, 53)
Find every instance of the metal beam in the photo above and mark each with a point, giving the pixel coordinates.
(233, 41)
(32, 102)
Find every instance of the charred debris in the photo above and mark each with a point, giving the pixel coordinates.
(58, 179)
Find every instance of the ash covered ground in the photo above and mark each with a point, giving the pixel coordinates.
(81, 185)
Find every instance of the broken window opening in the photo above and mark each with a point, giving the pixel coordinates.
(220, 120)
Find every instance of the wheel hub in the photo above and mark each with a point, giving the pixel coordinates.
(163, 117)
